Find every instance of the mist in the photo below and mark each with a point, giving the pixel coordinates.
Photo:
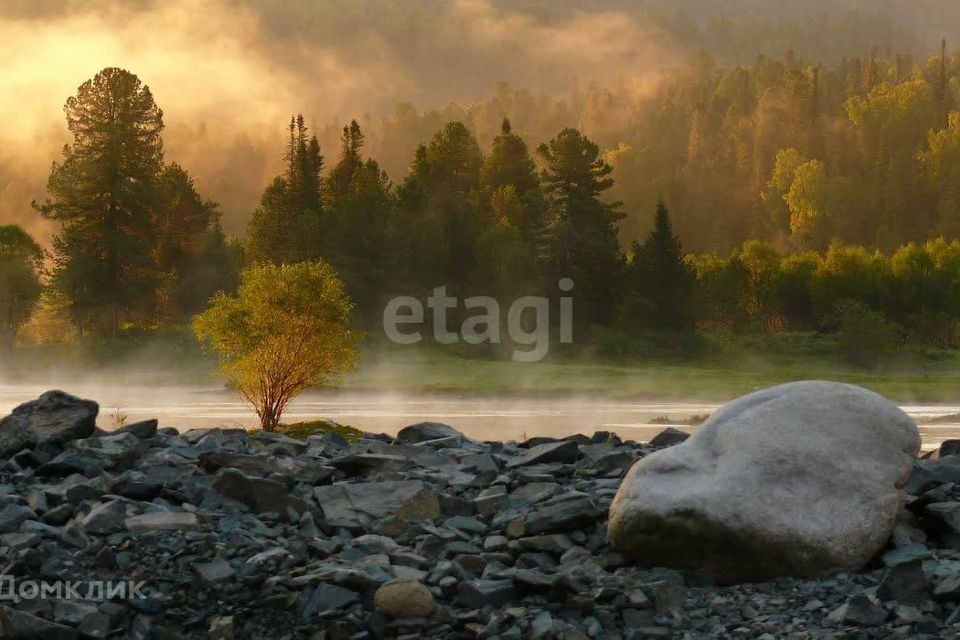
(228, 73)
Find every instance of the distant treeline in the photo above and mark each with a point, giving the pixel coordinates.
(787, 150)
(801, 158)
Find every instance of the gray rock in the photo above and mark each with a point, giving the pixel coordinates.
(96, 626)
(935, 471)
(221, 628)
(144, 429)
(14, 542)
(161, 521)
(946, 512)
(541, 626)
(12, 515)
(481, 593)
(360, 463)
(669, 437)
(565, 512)
(426, 431)
(297, 469)
(363, 504)
(54, 417)
(534, 580)
(490, 500)
(116, 450)
(106, 518)
(948, 448)
(550, 452)
(70, 612)
(327, 597)
(495, 543)
(214, 571)
(535, 492)
(70, 462)
(859, 610)
(948, 588)
(801, 479)
(20, 625)
(906, 554)
(259, 494)
(905, 583)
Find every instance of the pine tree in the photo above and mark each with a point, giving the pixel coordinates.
(584, 243)
(103, 193)
(510, 164)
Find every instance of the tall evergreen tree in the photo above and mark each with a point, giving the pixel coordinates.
(102, 193)
(288, 225)
(510, 164)
(190, 252)
(658, 276)
(584, 243)
(359, 241)
(439, 204)
(341, 175)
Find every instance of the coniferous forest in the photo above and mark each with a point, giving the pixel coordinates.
(784, 195)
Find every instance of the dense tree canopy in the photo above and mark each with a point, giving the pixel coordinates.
(287, 227)
(585, 244)
(137, 243)
(21, 264)
(801, 189)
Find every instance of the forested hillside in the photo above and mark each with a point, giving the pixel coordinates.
(812, 190)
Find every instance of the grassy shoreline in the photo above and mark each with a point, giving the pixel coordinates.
(427, 370)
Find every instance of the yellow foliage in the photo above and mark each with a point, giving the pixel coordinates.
(285, 330)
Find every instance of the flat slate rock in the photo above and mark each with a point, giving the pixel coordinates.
(425, 431)
(547, 453)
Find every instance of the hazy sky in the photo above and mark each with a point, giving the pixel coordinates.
(241, 67)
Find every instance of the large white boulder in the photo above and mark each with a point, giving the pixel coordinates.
(802, 479)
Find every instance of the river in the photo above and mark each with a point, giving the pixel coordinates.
(481, 417)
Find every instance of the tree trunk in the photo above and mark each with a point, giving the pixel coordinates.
(270, 418)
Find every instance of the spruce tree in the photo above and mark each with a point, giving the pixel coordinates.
(288, 225)
(658, 276)
(341, 175)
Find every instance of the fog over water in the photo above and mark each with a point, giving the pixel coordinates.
(480, 417)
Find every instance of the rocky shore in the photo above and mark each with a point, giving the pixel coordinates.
(226, 534)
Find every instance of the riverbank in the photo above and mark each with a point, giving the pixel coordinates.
(227, 534)
(729, 369)
(482, 416)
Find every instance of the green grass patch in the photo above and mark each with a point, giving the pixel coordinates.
(303, 430)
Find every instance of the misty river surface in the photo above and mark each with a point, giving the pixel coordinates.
(480, 417)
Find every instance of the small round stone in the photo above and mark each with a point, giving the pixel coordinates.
(404, 598)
